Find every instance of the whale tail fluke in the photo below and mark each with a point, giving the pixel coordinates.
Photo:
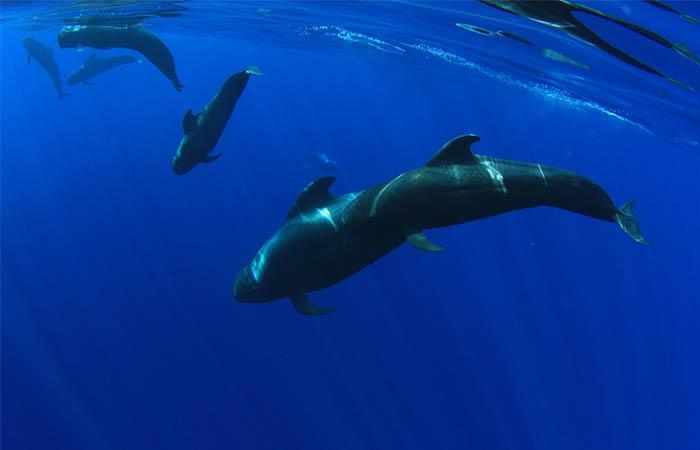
(253, 70)
(625, 218)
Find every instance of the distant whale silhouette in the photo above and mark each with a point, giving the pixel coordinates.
(326, 238)
(320, 161)
(202, 131)
(131, 37)
(44, 56)
(95, 65)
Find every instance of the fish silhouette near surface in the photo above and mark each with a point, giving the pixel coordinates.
(44, 56)
(132, 37)
(559, 14)
(203, 130)
(665, 7)
(327, 238)
(96, 65)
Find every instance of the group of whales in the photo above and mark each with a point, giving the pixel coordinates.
(102, 37)
(327, 238)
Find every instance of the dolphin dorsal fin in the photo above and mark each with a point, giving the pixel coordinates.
(313, 195)
(457, 151)
(189, 122)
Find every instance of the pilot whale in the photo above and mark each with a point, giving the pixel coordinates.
(202, 131)
(44, 56)
(327, 238)
(95, 65)
(132, 37)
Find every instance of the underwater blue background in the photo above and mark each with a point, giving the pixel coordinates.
(537, 329)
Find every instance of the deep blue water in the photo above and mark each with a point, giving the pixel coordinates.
(537, 329)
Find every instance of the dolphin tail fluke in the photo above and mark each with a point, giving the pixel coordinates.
(625, 218)
(254, 70)
(63, 95)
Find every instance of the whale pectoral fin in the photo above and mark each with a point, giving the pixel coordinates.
(302, 304)
(211, 158)
(189, 122)
(420, 241)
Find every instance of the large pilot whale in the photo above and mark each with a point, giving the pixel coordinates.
(203, 130)
(95, 65)
(327, 238)
(44, 56)
(132, 37)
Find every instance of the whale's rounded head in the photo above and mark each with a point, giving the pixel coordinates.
(244, 286)
(246, 289)
(69, 37)
(181, 163)
(256, 284)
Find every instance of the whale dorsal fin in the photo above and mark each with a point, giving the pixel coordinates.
(313, 195)
(457, 151)
(189, 122)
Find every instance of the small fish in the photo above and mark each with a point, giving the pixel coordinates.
(475, 29)
(515, 37)
(556, 56)
(670, 9)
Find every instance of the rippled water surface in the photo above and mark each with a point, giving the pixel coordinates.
(463, 36)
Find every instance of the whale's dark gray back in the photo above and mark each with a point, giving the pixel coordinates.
(44, 56)
(95, 65)
(134, 38)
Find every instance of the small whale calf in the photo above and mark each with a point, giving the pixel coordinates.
(95, 65)
(327, 238)
(44, 56)
(131, 37)
(202, 131)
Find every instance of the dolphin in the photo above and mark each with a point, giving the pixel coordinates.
(95, 65)
(327, 238)
(560, 14)
(202, 131)
(131, 37)
(44, 56)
